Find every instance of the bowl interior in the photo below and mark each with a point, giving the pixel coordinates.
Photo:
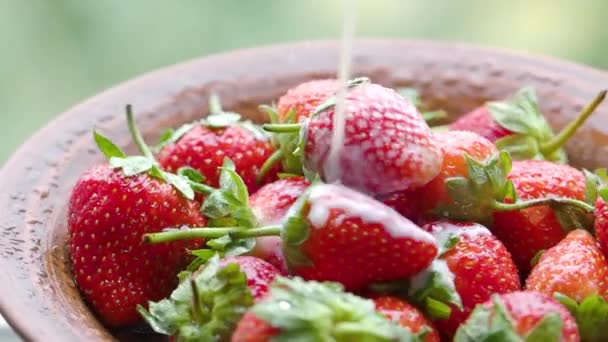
(40, 299)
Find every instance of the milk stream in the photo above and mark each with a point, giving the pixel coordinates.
(331, 169)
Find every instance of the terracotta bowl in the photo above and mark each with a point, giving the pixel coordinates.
(39, 298)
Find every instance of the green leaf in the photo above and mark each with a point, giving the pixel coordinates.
(548, 329)
(488, 325)
(132, 166)
(536, 257)
(232, 183)
(191, 174)
(271, 111)
(107, 147)
(222, 298)
(218, 204)
(591, 316)
(175, 135)
(520, 146)
(181, 184)
(450, 242)
(219, 244)
(521, 114)
(435, 283)
(603, 193)
(313, 311)
(156, 172)
(222, 120)
(410, 94)
(571, 217)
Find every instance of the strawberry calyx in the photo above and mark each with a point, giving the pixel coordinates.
(217, 119)
(591, 316)
(146, 163)
(430, 116)
(496, 324)
(315, 311)
(204, 307)
(532, 136)
(434, 288)
(487, 189)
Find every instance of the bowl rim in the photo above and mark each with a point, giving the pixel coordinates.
(17, 316)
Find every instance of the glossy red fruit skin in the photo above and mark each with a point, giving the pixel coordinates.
(270, 205)
(600, 225)
(252, 329)
(260, 274)
(204, 149)
(575, 267)
(527, 231)
(108, 214)
(454, 145)
(356, 240)
(481, 264)
(387, 146)
(480, 121)
(305, 97)
(407, 203)
(407, 315)
(528, 308)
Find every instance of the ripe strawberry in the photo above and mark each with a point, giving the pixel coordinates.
(575, 267)
(304, 98)
(208, 304)
(399, 311)
(601, 220)
(575, 272)
(259, 273)
(110, 208)
(519, 316)
(310, 311)
(527, 231)
(406, 202)
(518, 126)
(336, 234)
(383, 131)
(455, 146)
(270, 205)
(204, 145)
(474, 265)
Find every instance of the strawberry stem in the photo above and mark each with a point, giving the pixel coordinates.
(215, 105)
(500, 206)
(282, 128)
(560, 139)
(275, 158)
(136, 134)
(210, 233)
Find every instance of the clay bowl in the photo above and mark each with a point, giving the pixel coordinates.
(39, 298)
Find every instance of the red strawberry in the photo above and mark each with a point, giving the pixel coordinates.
(575, 267)
(530, 315)
(270, 205)
(383, 131)
(601, 220)
(110, 208)
(527, 231)
(204, 145)
(518, 126)
(259, 273)
(304, 99)
(336, 234)
(478, 265)
(407, 315)
(208, 304)
(311, 311)
(455, 146)
(406, 202)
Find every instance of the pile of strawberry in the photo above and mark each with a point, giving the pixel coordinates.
(228, 231)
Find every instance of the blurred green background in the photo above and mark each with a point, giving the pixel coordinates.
(56, 53)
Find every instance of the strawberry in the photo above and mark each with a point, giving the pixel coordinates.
(575, 267)
(473, 184)
(473, 266)
(311, 311)
(519, 316)
(111, 207)
(518, 126)
(270, 205)
(575, 271)
(208, 304)
(529, 230)
(383, 131)
(406, 202)
(204, 145)
(304, 98)
(601, 208)
(337, 234)
(399, 311)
